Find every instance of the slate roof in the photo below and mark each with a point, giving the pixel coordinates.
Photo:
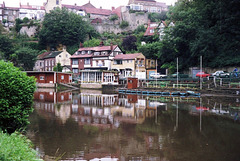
(94, 49)
(53, 54)
(126, 56)
(41, 56)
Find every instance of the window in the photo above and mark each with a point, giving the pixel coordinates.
(117, 61)
(75, 62)
(41, 77)
(75, 70)
(62, 77)
(59, 56)
(57, 2)
(87, 62)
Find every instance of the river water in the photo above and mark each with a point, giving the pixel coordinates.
(90, 125)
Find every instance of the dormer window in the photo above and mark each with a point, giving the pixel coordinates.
(89, 52)
(83, 52)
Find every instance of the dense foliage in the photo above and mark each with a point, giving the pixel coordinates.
(16, 97)
(16, 147)
(62, 26)
(203, 28)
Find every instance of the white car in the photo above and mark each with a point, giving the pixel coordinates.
(157, 75)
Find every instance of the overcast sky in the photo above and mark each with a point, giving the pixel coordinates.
(105, 4)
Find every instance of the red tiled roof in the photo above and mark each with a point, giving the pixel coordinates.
(97, 11)
(147, 0)
(127, 56)
(149, 28)
(71, 6)
(117, 11)
(97, 48)
(88, 5)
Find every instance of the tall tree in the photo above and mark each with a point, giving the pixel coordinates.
(61, 26)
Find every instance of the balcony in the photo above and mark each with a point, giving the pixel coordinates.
(75, 66)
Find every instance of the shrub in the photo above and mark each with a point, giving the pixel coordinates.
(113, 18)
(124, 24)
(16, 97)
(16, 147)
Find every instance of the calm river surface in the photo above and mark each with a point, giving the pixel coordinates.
(89, 125)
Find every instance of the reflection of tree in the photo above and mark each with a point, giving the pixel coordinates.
(218, 140)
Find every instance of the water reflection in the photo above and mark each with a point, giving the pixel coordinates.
(88, 125)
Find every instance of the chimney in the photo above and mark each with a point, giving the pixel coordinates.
(64, 48)
(113, 8)
(101, 43)
(75, 4)
(80, 45)
(28, 4)
(111, 46)
(100, 7)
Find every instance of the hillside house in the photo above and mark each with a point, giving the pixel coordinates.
(31, 12)
(130, 65)
(93, 58)
(48, 60)
(147, 5)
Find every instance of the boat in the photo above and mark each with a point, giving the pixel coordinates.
(165, 93)
(176, 93)
(192, 93)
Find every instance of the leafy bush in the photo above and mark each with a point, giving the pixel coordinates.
(16, 147)
(16, 97)
(113, 18)
(124, 24)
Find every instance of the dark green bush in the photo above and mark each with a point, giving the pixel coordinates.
(16, 97)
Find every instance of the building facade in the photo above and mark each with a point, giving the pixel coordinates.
(130, 65)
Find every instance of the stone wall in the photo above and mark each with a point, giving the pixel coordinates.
(134, 20)
(31, 31)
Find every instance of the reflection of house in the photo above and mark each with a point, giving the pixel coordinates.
(49, 79)
(47, 60)
(130, 65)
(47, 101)
(147, 5)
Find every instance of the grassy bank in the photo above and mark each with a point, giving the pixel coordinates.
(16, 147)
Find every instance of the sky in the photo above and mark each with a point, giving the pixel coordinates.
(105, 4)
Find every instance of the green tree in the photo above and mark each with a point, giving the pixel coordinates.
(62, 26)
(151, 50)
(6, 46)
(25, 57)
(16, 97)
(92, 43)
(18, 25)
(58, 68)
(203, 28)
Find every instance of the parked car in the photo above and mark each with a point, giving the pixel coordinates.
(179, 75)
(217, 73)
(157, 75)
(224, 75)
(202, 74)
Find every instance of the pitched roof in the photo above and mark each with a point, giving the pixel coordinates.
(53, 54)
(151, 26)
(127, 56)
(41, 56)
(97, 11)
(88, 5)
(97, 48)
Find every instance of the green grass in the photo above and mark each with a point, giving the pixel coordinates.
(16, 147)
